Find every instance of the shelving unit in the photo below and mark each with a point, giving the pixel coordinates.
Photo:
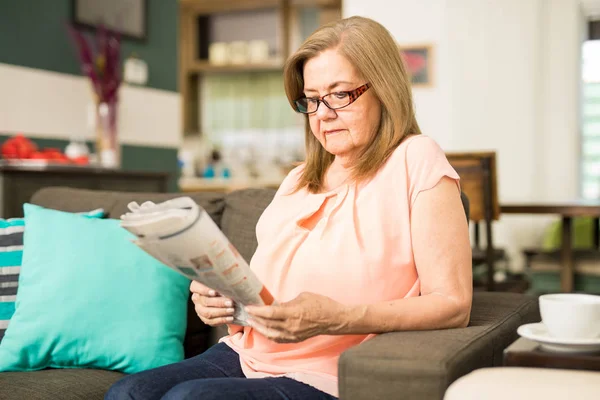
(208, 68)
(196, 19)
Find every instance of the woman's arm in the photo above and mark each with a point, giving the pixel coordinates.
(442, 252)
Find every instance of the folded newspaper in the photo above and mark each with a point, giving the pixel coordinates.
(180, 234)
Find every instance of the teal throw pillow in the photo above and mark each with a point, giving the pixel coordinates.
(90, 298)
(11, 254)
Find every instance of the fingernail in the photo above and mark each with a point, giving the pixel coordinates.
(249, 309)
(228, 303)
(230, 310)
(212, 293)
(229, 319)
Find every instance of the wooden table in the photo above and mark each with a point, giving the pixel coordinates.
(567, 211)
(527, 353)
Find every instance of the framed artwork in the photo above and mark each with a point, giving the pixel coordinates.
(419, 63)
(128, 17)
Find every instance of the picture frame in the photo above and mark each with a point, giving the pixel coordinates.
(127, 17)
(419, 63)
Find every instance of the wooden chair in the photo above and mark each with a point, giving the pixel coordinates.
(477, 171)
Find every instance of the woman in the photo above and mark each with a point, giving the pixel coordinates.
(367, 236)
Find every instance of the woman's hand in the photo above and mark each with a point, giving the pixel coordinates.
(212, 308)
(306, 316)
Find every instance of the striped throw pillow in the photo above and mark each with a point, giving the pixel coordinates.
(11, 255)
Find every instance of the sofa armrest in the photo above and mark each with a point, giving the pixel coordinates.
(422, 364)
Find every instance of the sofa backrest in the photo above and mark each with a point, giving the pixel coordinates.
(242, 210)
(236, 213)
(115, 203)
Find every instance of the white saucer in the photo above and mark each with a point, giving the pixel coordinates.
(539, 333)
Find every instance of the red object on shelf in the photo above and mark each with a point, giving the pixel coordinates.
(37, 155)
(83, 160)
(20, 148)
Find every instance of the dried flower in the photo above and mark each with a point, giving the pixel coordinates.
(103, 66)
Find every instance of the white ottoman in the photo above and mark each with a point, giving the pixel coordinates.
(517, 383)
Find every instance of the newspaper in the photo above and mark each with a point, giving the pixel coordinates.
(180, 234)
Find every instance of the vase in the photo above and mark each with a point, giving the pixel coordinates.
(108, 150)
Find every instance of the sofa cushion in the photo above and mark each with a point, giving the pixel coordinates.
(422, 364)
(243, 208)
(88, 297)
(115, 204)
(65, 384)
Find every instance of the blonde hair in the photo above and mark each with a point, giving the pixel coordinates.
(376, 56)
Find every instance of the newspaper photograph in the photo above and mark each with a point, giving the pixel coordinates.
(180, 234)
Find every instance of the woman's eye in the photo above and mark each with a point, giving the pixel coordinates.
(311, 100)
(341, 95)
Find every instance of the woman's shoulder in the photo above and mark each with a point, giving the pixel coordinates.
(290, 182)
(423, 162)
(419, 145)
(416, 149)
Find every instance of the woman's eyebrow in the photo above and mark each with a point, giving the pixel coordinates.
(333, 85)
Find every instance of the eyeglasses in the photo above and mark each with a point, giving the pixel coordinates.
(334, 101)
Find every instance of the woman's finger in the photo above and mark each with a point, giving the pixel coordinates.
(267, 323)
(214, 312)
(218, 302)
(197, 287)
(270, 312)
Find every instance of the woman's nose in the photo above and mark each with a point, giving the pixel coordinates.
(324, 112)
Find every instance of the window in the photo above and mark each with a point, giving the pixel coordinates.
(590, 151)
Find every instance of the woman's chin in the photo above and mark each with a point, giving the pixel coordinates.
(340, 154)
(338, 149)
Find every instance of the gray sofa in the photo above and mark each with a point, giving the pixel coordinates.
(403, 365)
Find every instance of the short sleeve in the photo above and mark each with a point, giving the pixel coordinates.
(426, 165)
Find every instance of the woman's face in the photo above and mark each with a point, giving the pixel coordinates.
(346, 131)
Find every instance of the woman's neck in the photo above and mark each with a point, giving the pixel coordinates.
(337, 174)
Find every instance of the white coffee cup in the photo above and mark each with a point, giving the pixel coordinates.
(238, 52)
(571, 315)
(218, 53)
(258, 51)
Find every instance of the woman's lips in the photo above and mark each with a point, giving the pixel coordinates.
(332, 131)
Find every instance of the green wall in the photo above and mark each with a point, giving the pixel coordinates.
(34, 34)
(135, 158)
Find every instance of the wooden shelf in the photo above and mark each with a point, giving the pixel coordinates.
(316, 3)
(216, 6)
(194, 35)
(206, 67)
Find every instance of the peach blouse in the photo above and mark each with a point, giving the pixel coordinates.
(352, 244)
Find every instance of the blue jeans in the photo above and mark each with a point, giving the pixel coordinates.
(214, 374)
